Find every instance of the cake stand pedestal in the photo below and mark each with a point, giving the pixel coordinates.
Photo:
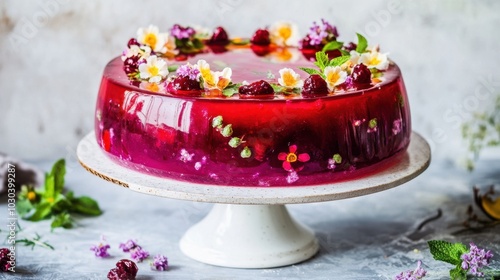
(250, 227)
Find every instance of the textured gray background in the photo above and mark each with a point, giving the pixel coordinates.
(53, 53)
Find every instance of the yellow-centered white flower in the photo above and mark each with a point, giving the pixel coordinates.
(289, 79)
(152, 37)
(214, 79)
(135, 50)
(154, 70)
(284, 33)
(334, 76)
(374, 59)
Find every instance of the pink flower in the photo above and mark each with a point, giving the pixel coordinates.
(291, 158)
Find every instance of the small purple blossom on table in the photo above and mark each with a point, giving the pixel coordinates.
(138, 254)
(476, 259)
(128, 245)
(159, 263)
(101, 250)
(416, 274)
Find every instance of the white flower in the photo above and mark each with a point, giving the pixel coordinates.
(154, 70)
(289, 79)
(354, 57)
(152, 37)
(222, 79)
(374, 59)
(170, 47)
(284, 33)
(134, 50)
(214, 80)
(334, 76)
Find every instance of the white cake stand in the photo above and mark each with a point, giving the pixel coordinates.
(250, 227)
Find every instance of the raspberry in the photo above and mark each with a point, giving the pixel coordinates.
(4, 259)
(259, 88)
(261, 38)
(185, 83)
(361, 75)
(132, 42)
(350, 46)
(314, 85)
(124, 270)
(219, 37)
(131, 64)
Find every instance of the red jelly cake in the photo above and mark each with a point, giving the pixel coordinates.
(273, 109)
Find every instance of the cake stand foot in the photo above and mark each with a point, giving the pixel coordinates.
(249, 236)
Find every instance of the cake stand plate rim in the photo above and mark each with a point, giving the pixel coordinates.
(94, 160)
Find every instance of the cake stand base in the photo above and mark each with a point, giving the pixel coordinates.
(249, 227)
(249, 236)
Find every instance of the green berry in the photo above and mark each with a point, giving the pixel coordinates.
(234, 142)
(217, 121)
(227, 130)
(246, 153)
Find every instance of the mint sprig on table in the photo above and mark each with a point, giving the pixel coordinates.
(52, 201)
(465, 260)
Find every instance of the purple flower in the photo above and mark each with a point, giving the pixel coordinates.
(324, 31)
(160, 262)
(475, 259)
(138, 254)
(101, 250)
(188, 70)
(416, 274)
(128, 246)
(180, 32)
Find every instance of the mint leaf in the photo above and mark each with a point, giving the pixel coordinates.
(310, 71)
(172, 68)
(61, 204)
(39, 213)
(321, 60)
(50, 187)
(446, 251)
(86, 206)
(229, 91)
(23, 206)
(62, 220)
(333, 45)
(277, 88)
(362, 43)
(58, 172)
(339, 60)
(458, 273)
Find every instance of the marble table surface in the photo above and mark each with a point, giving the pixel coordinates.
(369, 237)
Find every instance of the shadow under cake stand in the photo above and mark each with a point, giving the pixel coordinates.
(250, 227)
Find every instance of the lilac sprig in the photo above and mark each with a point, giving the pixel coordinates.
(416, 274)
(475, 259)
(160, 263)
(187, 70)
(101, 250)
(319, 32)
(180, 32)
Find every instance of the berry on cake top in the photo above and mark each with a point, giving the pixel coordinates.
(156, 61)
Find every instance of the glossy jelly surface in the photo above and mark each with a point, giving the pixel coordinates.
(287, 140)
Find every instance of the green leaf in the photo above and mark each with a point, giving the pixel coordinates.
(58, 172)
(339, 60)
(50, 187)
(458, 273)
(23, 206)
(321, 60)
(40, 212)
(198, 44)
(230, 91)
(61, 204)
(310, 71)
(172, 68)
(277, 88)
(62, 220)
(333, 45)
(446, 251)
(362, 43)
(86, 206)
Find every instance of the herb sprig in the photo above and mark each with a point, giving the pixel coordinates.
(52, 202)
